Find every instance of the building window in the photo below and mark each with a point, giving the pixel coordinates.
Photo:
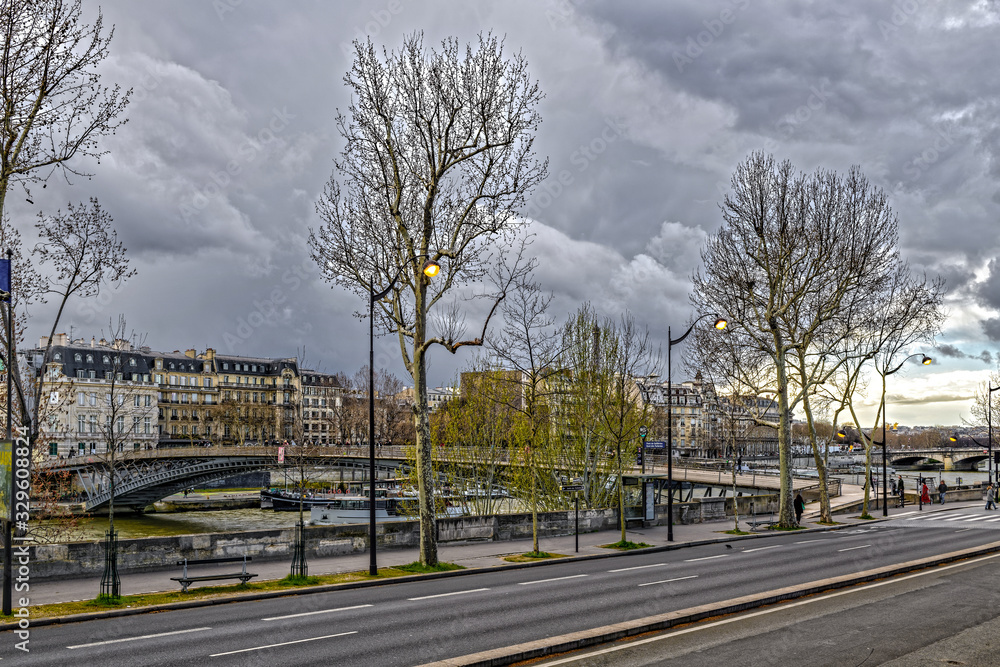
(135, 424)
(148, 400)
(90, 358)
(131, 362)
(81, 398)
(77, 357)
(92, 375)
(53, 449)
(208, 382)
(93, 423)
(145, 425)
(120, 425)
(81, 424)
(106, 359)
(225, 367)
(57, 356)
(135, 400)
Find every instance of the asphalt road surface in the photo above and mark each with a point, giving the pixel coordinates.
(413, 623)
(941, 616)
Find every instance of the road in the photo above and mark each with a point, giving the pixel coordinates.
(940, 616)
(413, 623)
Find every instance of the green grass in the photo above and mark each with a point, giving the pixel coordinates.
(866, 517)
(417, 568)
(626, 545)
(532, 556)
(734, 531)
(789, 528)
(218, 592)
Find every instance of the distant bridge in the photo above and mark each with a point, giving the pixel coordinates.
(145, 476)
(953, 458)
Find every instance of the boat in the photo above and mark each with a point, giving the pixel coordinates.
(352, 509)
(289, 501)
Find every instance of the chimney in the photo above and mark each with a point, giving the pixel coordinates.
(43, 342)
(92, 340)
(60, 339)
(191, 354)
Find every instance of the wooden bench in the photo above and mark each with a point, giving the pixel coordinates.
(186, 580)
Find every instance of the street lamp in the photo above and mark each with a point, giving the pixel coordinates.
(720, 324)
(431, 269)
(925, 360)
(989, 422)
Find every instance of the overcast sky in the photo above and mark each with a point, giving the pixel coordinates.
(649, 107)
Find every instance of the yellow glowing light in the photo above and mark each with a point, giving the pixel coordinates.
(431, 269)
(720, 324)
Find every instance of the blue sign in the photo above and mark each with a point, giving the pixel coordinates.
(656, 444)
(4, 275)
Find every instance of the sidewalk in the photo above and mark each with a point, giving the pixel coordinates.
(469, 555)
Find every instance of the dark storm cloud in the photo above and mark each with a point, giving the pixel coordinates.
(954, 353)
(649, 106)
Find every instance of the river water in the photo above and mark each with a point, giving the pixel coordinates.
(161, 524)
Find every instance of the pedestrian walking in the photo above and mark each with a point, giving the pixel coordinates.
(990, 498)
(800, 506)
(893, 487)
(942, 488)
(925, 494)
(900, 487)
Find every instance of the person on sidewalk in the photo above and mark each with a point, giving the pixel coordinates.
(892, 489)
(900, 487)
(942, 488)
(800, 506)
(990, 498)
(925, 495)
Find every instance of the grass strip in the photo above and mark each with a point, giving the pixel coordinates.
(213, 592)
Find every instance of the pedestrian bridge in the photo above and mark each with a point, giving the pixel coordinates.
(146, 476)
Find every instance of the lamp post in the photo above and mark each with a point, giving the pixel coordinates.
(720, 324)
(885, 484)
(989, 422)
(430, 270)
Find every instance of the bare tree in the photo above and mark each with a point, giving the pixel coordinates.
(123, 411)
(529, 347)
(624, 354)
(793, 252)
(54, 106)
(438, 159)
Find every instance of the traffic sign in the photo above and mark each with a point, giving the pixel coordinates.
(656, 444)
(572, 487)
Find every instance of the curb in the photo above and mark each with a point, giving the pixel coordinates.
(570, 642)
(327, 588)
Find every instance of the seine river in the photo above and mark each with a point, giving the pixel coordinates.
(159, 524)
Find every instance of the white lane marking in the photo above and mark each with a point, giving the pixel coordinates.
(132, 639)
(667, 581)
(297, 641)
(638, 567)
(979, 518)
(692, 560)
(903, 513)
(542, 581)
(780, 607)
(444, 595)
(863, 546)
(997, 518)
(773, 546)
(963, 530)
(808, 541)
(313, 613)
(956, 518)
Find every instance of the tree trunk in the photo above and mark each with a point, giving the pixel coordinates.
(425, 467)
(786, 517)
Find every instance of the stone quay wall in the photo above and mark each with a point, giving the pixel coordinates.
(85, 559)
